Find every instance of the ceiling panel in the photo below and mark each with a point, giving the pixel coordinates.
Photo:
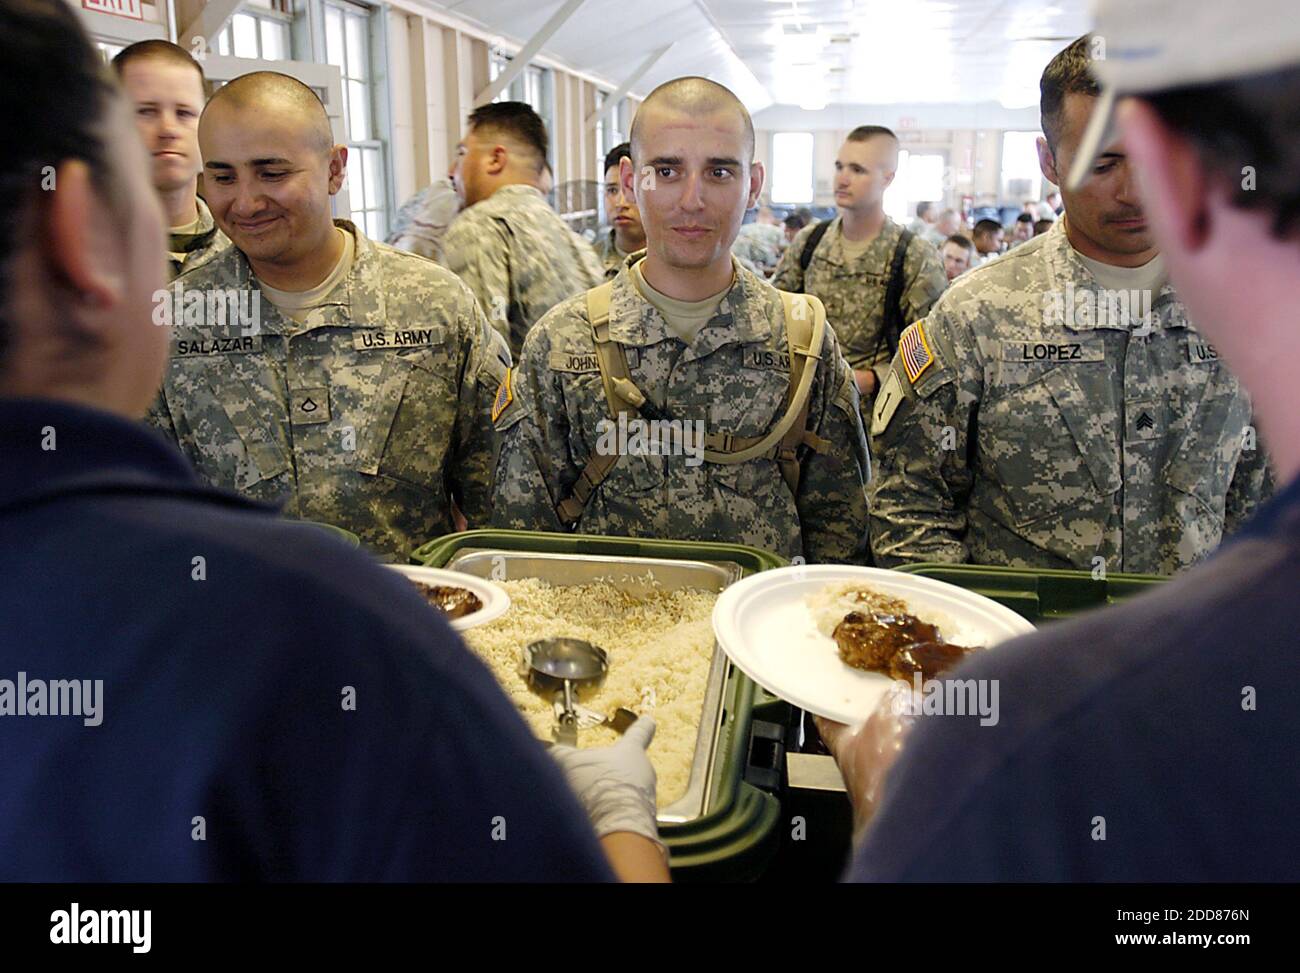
(810, 52)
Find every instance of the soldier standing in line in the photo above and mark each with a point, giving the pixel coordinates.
(516, 254)
(357, 387)
(1057, 408)
(766, 443)
(166, 86)
(626, 234)
(874, 277)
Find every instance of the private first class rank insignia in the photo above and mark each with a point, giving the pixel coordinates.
(914, 349)
(503, 398)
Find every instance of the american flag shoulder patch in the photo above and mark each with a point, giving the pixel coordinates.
(914, 348)
(504, 396)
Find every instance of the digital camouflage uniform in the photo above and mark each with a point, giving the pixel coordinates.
(367, 416)
(609, 256)
(519, 258)
(734, 377)
(760, 244)
(1042, 435)
(854, 290)
(199, 247)
(422, 222)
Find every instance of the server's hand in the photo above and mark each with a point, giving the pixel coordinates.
(865, 752)
(616, 784)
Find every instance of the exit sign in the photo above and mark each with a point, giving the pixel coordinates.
(118, 8)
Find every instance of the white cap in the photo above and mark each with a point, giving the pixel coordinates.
(1143, 46)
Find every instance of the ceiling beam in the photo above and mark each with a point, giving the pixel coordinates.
(521, 60)
(611, 102)
(209, 22)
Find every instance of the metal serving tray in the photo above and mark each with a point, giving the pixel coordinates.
(638, 576)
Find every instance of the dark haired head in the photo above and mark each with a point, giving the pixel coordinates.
(962, 241)
(795, 222)
(616, 155)
(864, 132)
(1067, 73)
(1253, 120)
(54, 98)
(986, 227)
(516, 121)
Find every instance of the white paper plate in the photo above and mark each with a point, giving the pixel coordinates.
(495, 600)
(764, 625)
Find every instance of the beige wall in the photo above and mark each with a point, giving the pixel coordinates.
(435, 71)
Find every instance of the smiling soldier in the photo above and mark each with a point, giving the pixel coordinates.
(361, 394)
(685, 333)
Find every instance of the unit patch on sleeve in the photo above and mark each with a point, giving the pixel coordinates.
(504, 396)
(914, 349)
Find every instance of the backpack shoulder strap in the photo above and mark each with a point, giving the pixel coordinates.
(810, 245)
(800, 330)
(894, 323)
(616, 378)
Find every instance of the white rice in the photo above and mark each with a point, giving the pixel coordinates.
(660, 647)
(831, 603)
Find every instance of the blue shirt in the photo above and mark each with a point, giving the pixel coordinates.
(1169, 725)
(224, 685)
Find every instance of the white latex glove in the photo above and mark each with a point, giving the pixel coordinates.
(616, 784)
(865, 752)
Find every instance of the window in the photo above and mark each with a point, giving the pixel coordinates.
(610, 130)
(347, 46)
(919, 179)
(1021, 177)
(792, 167)
(262, 34)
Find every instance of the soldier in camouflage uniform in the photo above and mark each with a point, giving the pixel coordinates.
(1038, 419)
(165, 85)
(370, 409)
(626, 235)
(195, 245)
(733, 374)
(851, 279)
(515, 253)
(422, 222)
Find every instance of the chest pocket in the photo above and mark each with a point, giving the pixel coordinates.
(411, 419)
(1208, 455)
(228, 437)
(1050, 447)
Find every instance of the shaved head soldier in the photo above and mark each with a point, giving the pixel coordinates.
(874, 277)
(313, 367)
(687, 398)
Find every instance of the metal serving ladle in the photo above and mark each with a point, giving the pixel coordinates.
(555, 668)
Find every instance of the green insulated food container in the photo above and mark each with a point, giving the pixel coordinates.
(725, 827)
(1044, 595)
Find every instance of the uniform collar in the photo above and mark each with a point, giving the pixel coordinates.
(833, 251)
(94, 452)
(358, 301)
(1066, 270)
(508, 199)
(741, 317)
